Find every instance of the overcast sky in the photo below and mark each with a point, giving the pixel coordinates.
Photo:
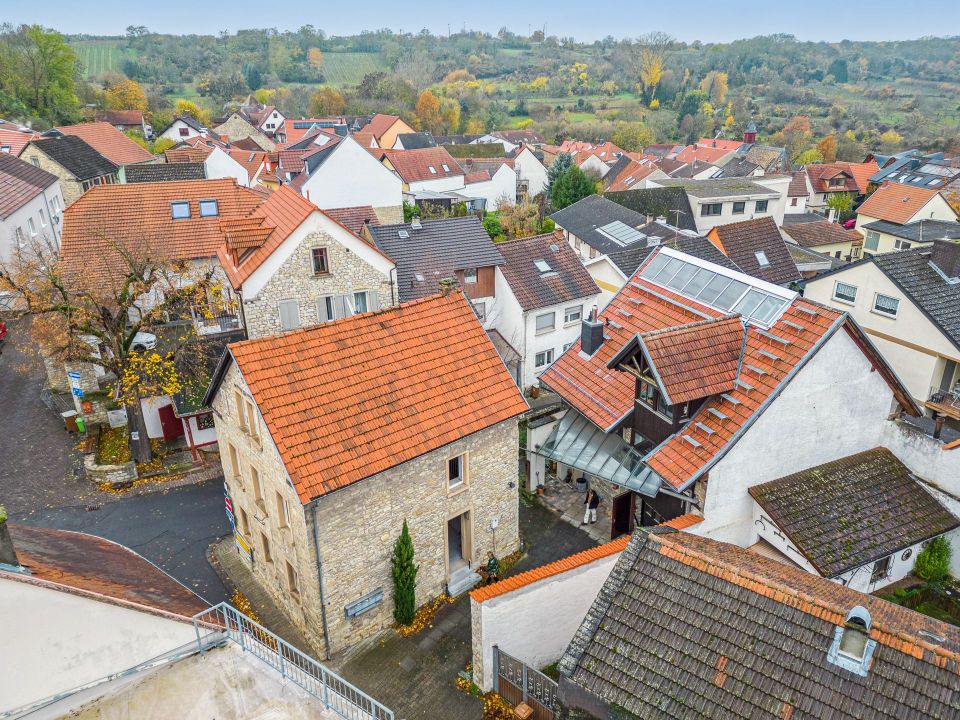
(685, 19)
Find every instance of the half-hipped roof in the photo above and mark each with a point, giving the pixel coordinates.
(348, 399)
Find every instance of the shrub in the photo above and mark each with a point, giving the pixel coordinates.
(404, 578)
(933, 562)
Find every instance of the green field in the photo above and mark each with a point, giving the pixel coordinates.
(348, 68)
(98, 56)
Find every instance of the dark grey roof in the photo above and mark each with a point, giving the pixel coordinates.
(455, 139)
(737, 167)
(930, 230)
(719, 187)
(745, 241)
(164, 172)
(75, 156)
(658, 202)
(435, 252)
(688, 627)
(629, 260)
(415, 141)
(938, 299)
(804, 217)
(585, 216)
(565, 280)
(853, 511)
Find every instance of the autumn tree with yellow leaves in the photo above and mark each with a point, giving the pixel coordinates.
(92, 314)
(125, 94)
(428, 112)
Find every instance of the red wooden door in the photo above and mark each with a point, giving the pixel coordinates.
(170, 423)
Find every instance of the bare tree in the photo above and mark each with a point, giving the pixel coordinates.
(648, 56)
(92, 312)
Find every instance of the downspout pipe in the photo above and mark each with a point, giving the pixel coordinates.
(323, 603)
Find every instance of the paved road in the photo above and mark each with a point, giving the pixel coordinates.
(172, 529)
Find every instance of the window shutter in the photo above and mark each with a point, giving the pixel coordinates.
(322, 314)
(348, 305)
(339, 306)
(289, 315)
(374, 303)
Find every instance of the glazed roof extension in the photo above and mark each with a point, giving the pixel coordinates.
(565, 280)
(850, 512)
(770, 357)
(643, 646)
(348, 399)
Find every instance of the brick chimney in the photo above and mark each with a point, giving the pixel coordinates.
(591, 333)
(8, 555)
(945, 254)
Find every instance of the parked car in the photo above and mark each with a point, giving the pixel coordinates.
(3, 332)
(143, 341)
(849, 224)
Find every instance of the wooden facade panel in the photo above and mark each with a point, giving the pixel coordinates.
(483, 287)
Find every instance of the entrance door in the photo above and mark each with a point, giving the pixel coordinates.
(622, 515)
(170, 423)
(458, 542)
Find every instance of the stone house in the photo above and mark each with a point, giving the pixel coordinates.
(290, 265)
(236, 127)
(78, 166)
(331, 436)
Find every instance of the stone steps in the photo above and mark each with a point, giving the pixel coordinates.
(461, 581)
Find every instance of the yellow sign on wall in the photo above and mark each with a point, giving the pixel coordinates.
(243, 545)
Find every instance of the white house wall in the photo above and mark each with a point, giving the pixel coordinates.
(532, 171)
(607, 276)
(507, 315)
(452, 182)
(835, 406)
(352, 177)
(220, 165)
(48, 230)
(535, 623)
(502, 184)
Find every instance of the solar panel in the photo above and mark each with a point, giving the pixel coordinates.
(621, 233)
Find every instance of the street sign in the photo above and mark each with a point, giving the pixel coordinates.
(242, 544)
(75, 388)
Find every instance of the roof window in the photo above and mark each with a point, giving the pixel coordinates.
(852, 648)
(445, 167)
(762, 258)
(433, 170)
(403, 234)
(542, 266)
(209, 208)
(180, 209)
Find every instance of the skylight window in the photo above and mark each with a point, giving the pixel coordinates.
(180, 209)
(209, 208)
(403, 234)
(445, 167)
(542, 266)
(726, 290)
(621, 233)
(433, 170)
(762, 258)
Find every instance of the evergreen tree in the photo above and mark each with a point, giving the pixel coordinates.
(404, 578)
(560, 165)
(571, 186)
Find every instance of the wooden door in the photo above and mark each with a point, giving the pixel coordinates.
(622, 515)
(169, 422)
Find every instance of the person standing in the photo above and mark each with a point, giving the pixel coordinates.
(592, 501)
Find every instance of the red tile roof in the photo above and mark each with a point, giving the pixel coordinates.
(896, 203)
(379, 124)
(16, 140)
(91, 564)
(348, 399)
(250, 160)
(20, 182)
(354, 218)
(798, 184)
(855, 176)
(632, 174)
(696, 360)
(120, 117)
(188, 154)
(683, 522)
(109, 142)
(414, 165)
(567, 280)
(707, 151)
(608, 152)
(129, 215)
(543, 572)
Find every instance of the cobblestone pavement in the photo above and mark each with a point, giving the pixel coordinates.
(37, 456)
(430, 661)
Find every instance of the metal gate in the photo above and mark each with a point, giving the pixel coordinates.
(517, 683)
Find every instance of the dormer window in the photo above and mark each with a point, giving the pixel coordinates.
(208, 208)
(180, 210)
(852, 648)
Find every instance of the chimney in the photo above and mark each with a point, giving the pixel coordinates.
(591, 333)
(415, 223)
(8, 555)
(662, 219)
(446, 285)
(945, 254)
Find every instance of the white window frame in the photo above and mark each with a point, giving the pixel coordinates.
(543, 330)
(470, 276)
(764, 209)
(326, 261)
(207, 202)
(366, 301)
(544, 358)
(461, 480)
(762, 259)
(839, 298)
(179, 204)
(568, 313)
(900, 244)
(885, 313)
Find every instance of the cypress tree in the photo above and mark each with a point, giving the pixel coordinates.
(404, 578)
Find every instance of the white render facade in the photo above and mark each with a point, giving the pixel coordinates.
(538, 349)
(531, 173)
(502, 185)
(37, 220)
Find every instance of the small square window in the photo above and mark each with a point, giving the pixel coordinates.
(184, 132)
(793, 202)
(739, 208)
(180, 210)
(456, 471)
(321, 262)
(881, 568)
(546, 322)
(845, 292)
(208, 208)
(902, 244)
(470, 276)
(35, 161)
(542, 359)
(572, 314)
(762, 206)
(433, 170)
(886, 305)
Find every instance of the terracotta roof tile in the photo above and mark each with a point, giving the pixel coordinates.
(120, 117)
(109, 142)
(188, 154)
(379, 124)
(683, 522)
(824, 232)
(15, 141)
(415, 165)
(354, 218)
(348, 399)
(896, 203)
(708, 150)
(488, 592)
(631, 174)
(20, 182)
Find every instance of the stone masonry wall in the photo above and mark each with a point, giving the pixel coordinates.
(70, 188)
(389, 215)
(295, 281)
(358, 525)
(236, 128)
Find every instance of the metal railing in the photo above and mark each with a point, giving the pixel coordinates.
(526, 683)
(336, 693)
(947, 398)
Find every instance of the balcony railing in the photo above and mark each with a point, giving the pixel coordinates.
(948, 400)
(333, 691)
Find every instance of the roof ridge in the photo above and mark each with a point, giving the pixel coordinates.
(788, 595)
(688, 327)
